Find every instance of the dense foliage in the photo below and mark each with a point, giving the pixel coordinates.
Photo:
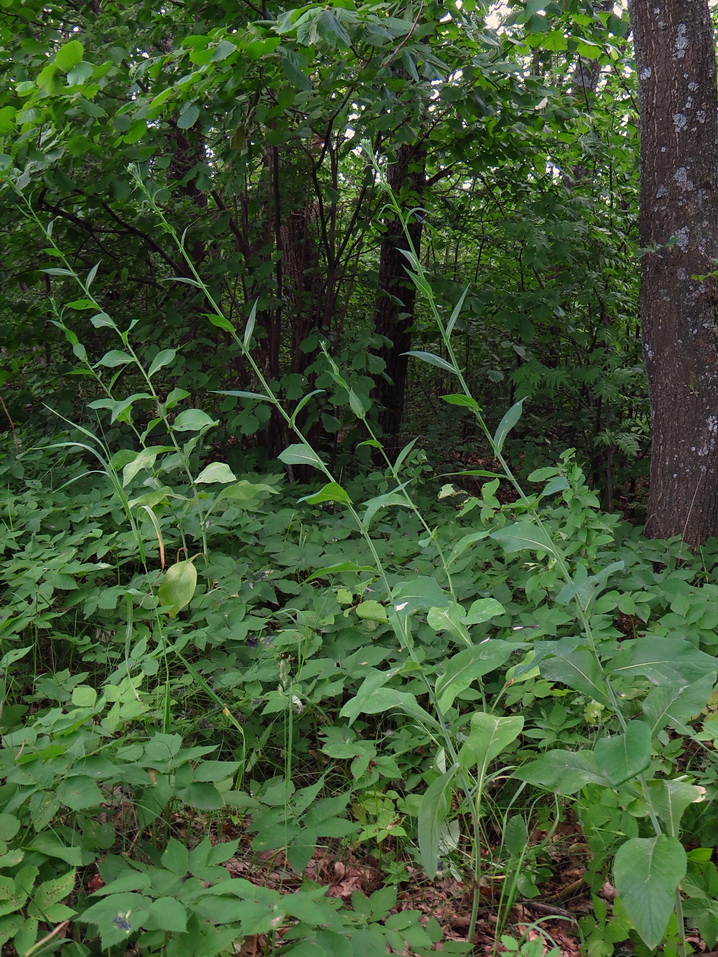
(319, 328)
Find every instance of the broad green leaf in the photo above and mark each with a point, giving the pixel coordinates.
(247, 493)
(166, 913)
(507, 423)
(69, 55)
(577, 668)
(144, 459)
(83, 696)
(114, 358)
(203, 796)
(371, 610)
(466, 667)
(15, 654)
(331, 492)
(626, 755)
(163, 358)
(661, 660)
(9, 826)
(79, 793)
(218, 472)
(176, 857)
(647, 872)
(7, 120)
(488, 737)
(50, 844)
(301, 455)
(192, 420)
(564, 772)
(52, 891)
(188, 116)
(670, 800)
(672, 703)
(417, 593)
(449, 618)
(431, 359)
(178, 586)
(223, 49)
(523, 535)
(482, 610)
(433, 810)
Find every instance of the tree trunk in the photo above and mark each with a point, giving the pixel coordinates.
(396, 298)
(675, 55)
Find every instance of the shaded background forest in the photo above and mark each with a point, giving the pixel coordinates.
(514, 138)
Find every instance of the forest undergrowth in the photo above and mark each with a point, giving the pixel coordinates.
(372, 713)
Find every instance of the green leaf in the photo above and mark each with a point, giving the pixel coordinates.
(176, 857)
(188, 116)
(483, 609)
(417, 593)
(331, 492)
(624, 756)
(48, 843)
(371, 610)
(83, 696)
(301, 455)
(577, 668)
(433, 809)
(167, 914)
(455, 315)
(163, 358)
(466, 667)
(178, 586)
(51, 892)
(192, 420)
(662, 660)
(670, 800)
(432, 359)
(382, 501)
(507, 423)
(564, 772)
(69, 55)
(79, 793)
(115, 358)
(203, 796)
(647, 872)
(458, 398)
(220, 322)
(489, 736)
(668, 704)
(337, 569)
(449, 618)
(218, 472)
(523, 535)
(7, 120)
(249, 328)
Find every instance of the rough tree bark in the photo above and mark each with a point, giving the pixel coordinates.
(675, 52)
(396, 298)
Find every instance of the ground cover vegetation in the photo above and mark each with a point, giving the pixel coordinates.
(329, 624)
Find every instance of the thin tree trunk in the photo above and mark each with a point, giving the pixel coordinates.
(675, 51)
(396, 298)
